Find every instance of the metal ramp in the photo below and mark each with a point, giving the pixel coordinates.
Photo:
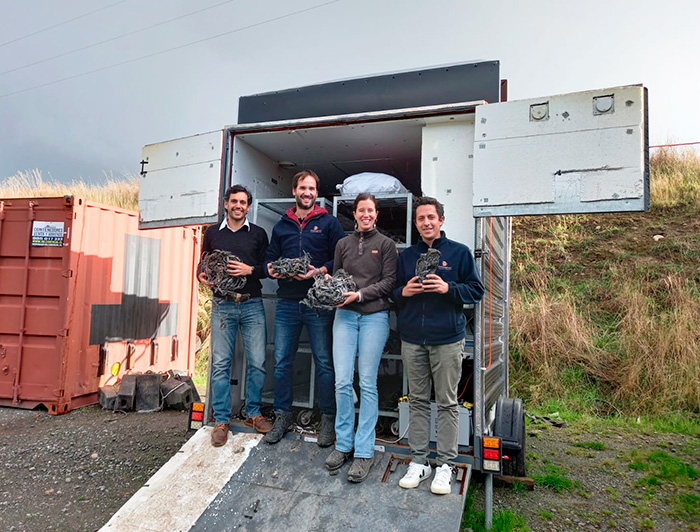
(285, 486)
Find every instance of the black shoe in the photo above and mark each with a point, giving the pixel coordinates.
(326, 434)
(359, 469)
(283, 422)
(336, 459)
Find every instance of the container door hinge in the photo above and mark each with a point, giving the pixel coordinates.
(478, 253)
(59, 393)
(63, 333)
(67, 273)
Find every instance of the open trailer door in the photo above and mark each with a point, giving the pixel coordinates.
(181, 181)
(582, 152)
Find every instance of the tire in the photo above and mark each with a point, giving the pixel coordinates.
(510, 427)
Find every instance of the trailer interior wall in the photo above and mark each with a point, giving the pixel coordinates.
(427, 155)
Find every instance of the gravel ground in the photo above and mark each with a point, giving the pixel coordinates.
(72, 472)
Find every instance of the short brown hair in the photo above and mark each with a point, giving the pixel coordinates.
(305, 173)
(426, 200)
(362, 197)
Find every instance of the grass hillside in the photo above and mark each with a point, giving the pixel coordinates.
(605, 309)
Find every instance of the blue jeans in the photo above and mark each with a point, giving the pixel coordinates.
(360, 336)
(290, 316)
(226, 317)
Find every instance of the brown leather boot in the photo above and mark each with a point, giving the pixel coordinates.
(259, 423)
(220, 434)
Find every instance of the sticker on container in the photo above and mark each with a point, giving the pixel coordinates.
(47, 234)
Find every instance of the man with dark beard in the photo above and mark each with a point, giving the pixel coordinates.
(308, 228)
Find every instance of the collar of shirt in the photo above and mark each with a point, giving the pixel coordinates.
(224, 225)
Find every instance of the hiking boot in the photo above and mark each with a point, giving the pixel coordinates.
(326, 434)
(416, 474)
(359, 469)
(259, 423)
(220, 434)
(283, 422)
(443, 479)
(336, 459)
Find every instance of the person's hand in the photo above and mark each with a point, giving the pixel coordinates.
(313, 270)
(434, 283)
(412, 287)
(349, 298)
(273, 274)
(202, 278)
(238, 269)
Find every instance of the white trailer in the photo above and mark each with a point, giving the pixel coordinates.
(436, 132)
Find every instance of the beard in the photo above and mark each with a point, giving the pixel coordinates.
(300, 204)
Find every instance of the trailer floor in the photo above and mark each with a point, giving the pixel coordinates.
(250, 485)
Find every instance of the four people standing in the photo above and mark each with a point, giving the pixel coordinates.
(430, 316)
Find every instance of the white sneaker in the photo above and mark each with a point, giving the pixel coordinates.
(416, 473)
(443, 479)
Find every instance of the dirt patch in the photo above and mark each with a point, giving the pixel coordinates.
(72, 472)
(620, 479)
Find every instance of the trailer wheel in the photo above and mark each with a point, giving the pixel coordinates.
(395, 427)
(304, 418)
(510, 427)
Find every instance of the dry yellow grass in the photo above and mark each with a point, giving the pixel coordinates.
(118, 193)
(676, 177)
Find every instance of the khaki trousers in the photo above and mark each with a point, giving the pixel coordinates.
(441, 366)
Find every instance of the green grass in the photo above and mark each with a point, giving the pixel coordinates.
(647, 524)
(503, 520)
(518, 487)
(686, 506)
(594, 445)
(662, 468)
(681, 423)
(614, 494)
(554, 478)
(545, 515)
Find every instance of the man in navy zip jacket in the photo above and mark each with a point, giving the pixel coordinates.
(304, 228)
(432, 328)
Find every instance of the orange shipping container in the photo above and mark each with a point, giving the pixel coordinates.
(85, 294)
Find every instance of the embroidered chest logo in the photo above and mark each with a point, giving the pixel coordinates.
(444, 266)
(315, 229)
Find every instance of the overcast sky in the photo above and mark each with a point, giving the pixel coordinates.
(99, 106)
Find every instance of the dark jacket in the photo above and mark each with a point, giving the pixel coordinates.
(373, 268)
(432, 318)
(318, 235)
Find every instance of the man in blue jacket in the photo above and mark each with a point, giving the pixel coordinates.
(304, 228)
(432, 328)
